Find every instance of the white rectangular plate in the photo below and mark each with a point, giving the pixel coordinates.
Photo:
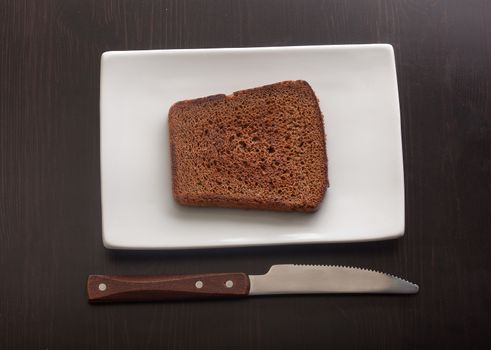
(357, 89)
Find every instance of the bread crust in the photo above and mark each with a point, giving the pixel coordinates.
(182, 130)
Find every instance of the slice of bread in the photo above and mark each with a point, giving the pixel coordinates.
(261, 148)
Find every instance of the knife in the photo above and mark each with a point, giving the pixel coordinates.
(280, 279)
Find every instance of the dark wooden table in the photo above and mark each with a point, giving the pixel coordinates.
(50, 211)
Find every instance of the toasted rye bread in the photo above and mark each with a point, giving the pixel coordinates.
(261, 148)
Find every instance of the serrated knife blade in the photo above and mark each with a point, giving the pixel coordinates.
(315, 279)
(280, 279)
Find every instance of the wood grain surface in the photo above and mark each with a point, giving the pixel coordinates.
(105, 288)
(50, 212)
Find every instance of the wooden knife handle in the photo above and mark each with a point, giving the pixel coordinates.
(102, 288)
